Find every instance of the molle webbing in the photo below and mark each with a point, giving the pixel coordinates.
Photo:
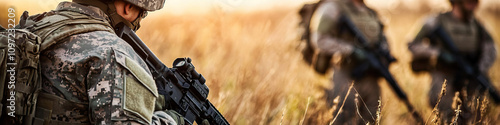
(49, 105)
(24, 74)
(63, 24)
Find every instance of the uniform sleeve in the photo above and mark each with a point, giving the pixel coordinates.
(119, 85)
(488, 52)
(120, 93)
(421, 47)
(327, 31)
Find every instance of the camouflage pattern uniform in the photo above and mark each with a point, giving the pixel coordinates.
(474, 44)
(149, 5)
(325, 27)
(87, 79)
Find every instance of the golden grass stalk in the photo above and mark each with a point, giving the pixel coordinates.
(305, 112)
(283, 115)
(457, 112)
(457, 103)
(356, 102)
(435, 110)
(343, 102)
(476, 107)
(484, 106)
(363, 101)
(456, 100)
(379, 110)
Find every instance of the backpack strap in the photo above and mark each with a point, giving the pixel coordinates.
(62, 24)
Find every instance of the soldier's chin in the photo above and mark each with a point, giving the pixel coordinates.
(469, 14)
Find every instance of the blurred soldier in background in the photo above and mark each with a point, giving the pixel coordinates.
(329, 42)
(89, 74)
(474, 44)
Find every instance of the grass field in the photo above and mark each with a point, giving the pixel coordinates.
(253, 65)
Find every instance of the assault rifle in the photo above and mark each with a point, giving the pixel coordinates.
(184, 89)
(373, 62)
(463, 65)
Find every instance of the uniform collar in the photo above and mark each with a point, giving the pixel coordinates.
(87, 10)
(449, 15)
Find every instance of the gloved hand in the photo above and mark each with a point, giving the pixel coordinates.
(176, 116)
(446, 57)
(358, 54)
(205, 122)
(180, 119)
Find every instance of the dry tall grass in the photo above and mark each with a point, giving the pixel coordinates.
(256, 73)
(255, 70)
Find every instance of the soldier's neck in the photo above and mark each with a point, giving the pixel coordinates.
(460, 15)
(457, 13)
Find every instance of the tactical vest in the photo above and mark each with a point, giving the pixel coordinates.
(465, 36)
(366, 21)
(20, 90)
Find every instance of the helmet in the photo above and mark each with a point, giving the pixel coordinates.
(149, 5)
(110, 9)
(459, 1)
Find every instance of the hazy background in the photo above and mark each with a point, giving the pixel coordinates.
(248, 51)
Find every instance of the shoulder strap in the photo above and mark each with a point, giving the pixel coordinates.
(62, 24)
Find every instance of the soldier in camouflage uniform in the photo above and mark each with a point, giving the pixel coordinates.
(348, 54)
(473, 42)
(95, 77)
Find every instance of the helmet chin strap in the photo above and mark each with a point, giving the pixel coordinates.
(136, 23)
(109, 8)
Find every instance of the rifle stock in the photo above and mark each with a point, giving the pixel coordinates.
(463, 65)
(184, 89)
(374, 62)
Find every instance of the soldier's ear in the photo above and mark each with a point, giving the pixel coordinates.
(132, 10)
(128, 8)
